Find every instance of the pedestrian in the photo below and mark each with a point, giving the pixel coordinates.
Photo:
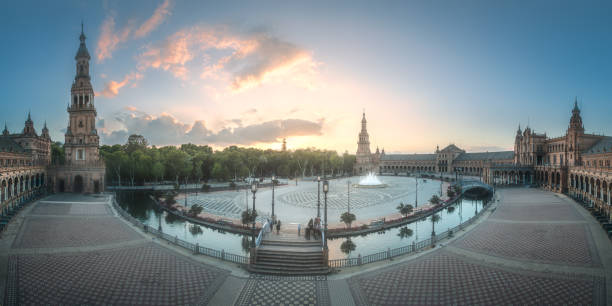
(299, 228)
(278, 224)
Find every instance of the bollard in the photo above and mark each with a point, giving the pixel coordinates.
(145, 228)
(222, 254)
(175, 239)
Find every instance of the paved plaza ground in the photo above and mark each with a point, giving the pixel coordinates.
(530, 247)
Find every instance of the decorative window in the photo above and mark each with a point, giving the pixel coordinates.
(81, 123)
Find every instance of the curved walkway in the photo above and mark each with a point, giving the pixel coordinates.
(532, 247)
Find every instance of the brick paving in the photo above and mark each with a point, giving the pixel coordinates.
(71, 209)
(276, 290)
(42, 232)
(444, 278)
(142, 275)
(554, 243)
(537, 212)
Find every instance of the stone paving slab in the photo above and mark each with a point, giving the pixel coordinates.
(71, 209)
(143, 275)
(71, 197)
(41, 232)
(550, 243)
(537, 212)
(278, 290)
(444, 278)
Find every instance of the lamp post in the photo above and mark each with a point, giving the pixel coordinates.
(416, 191)
(348, 195)
(325, 190)
(318, 197)
(253, 190)
(273, 183)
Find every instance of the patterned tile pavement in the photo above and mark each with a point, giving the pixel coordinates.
(141, 275)
(71, 209)
(277, 290)
(42, 232)
(550, 243)
(537, 212)
(444, 278)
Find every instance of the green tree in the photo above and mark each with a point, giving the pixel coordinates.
(405, 209)
(405, 232)
(58, 155)
(347, 218)
(435, 200)
(248, 216)
(434, 219)
(347, 246)
(195, 209)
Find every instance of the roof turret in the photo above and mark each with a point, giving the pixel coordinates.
(82, 48)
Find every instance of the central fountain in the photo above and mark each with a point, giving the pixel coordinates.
(371, 181)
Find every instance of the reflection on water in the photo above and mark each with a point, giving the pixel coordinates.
(140, 206)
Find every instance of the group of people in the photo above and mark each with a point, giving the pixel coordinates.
(313, 229)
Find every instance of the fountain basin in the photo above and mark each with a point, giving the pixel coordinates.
(370, 181)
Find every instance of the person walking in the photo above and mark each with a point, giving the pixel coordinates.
(278, 224)
(299, 228)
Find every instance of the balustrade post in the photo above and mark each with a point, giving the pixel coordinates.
(388, 252)
(359, 259)
(197, 249)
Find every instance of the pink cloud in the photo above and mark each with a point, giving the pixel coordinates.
(242, 61)
(111, 89)
(154, 21)
(110, 39)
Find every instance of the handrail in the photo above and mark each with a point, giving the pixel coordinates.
(264, 229)
(323, 240)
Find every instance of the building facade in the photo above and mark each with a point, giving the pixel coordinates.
(83, 170)
(24, 160)
(578, 163)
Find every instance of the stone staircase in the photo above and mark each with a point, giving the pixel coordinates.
(289, 255)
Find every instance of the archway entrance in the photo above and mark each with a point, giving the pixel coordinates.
(78, 184)
(61, 186)
(96, 186)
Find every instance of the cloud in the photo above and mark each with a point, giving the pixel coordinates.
(240, 60)
(111, 89)
(154, 21)
(110, 39)
(164, 129)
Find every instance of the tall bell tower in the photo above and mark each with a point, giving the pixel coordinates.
(83, 171)
(81, 139)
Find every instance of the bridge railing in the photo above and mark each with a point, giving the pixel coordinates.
(264, 230)
(408, 249)
(195, 248)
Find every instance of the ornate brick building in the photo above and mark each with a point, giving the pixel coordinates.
(578, 163)
(83, 170)
(24, 160)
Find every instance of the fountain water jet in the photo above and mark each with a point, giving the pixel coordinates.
(371, 181)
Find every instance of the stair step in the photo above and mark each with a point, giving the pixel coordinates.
(283, 265)
(288, 253)
(322, 271)
(292, 243)
(289, 260)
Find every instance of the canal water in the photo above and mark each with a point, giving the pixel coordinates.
(140, 206)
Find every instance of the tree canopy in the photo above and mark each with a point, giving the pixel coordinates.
(136, 162)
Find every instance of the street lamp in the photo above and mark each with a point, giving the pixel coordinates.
(273, 183)
(253, 190)
(325, 190)
(318, 197)
(348, 195)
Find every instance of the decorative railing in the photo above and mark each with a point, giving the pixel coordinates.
(264, 229)
(412, 248)
(195, 248)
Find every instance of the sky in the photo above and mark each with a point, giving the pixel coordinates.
(251, 73)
